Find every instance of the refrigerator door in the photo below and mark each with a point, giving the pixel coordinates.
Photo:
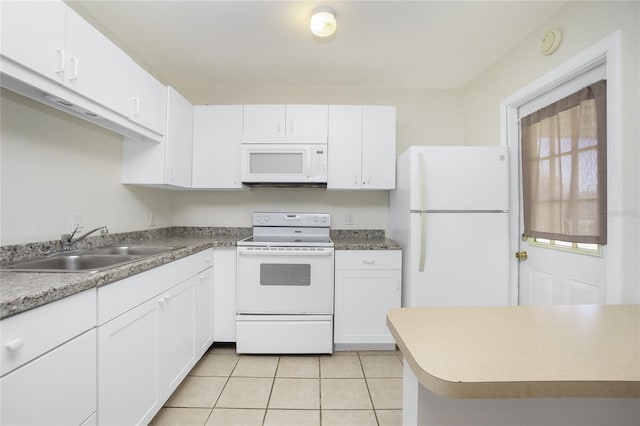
(466, 260)
(459, 178)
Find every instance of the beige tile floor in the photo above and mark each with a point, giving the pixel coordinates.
(343, 389)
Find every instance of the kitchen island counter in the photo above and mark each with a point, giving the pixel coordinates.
(583, 353)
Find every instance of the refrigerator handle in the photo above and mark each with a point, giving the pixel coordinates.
(423, 182)
(423, 241)
(423, 207)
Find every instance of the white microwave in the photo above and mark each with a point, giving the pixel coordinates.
(286, 164)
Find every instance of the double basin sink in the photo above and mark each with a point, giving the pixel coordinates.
(88, 260)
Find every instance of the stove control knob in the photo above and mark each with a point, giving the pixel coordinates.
(266, 218)
(324, 218)
(315, 218)
(259, 219)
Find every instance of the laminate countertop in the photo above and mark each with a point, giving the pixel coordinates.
(522, 351)
(22, 291)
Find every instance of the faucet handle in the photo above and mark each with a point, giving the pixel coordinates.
(104, 230)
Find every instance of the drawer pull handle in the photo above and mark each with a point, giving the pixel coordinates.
(368, 261)
(15, 345)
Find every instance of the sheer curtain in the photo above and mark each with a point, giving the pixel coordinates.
(564, 168)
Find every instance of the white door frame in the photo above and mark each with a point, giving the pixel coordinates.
(606, 51)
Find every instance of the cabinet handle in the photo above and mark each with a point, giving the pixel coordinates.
(15, 345)
(74, 61)
(368, 261)
(207, 259)
(135, 106)
(291, 125)
(355, 179)
(278, 127)
(60, 67)
(201, 277)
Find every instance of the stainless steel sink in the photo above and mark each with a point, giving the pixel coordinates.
(72, 263)
(88, 260)
(132, 250)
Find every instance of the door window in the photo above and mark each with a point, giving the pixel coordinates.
(564, 169)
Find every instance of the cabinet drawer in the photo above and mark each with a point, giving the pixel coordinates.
(368, 259)
(30, 334)
(121, 296)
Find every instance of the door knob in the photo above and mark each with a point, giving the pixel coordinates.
(521, 255)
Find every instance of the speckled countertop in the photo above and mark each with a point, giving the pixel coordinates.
(21, 291)
(347, 239)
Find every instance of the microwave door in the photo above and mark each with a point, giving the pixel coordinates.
(275, 163)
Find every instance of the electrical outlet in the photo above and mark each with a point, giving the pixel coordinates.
(151, 218)
(76, 221)
(349, 218)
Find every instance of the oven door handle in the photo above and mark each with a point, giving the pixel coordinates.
(284, 253)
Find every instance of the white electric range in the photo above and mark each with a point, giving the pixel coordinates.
(285, 285)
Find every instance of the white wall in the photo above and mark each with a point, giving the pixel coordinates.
(53, 164)
(582, 24)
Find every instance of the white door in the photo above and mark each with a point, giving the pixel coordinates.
(557, 272)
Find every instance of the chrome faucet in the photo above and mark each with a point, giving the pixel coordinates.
(68, 241)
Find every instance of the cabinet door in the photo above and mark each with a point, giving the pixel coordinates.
(224, 302)
(128, 368)
(362, 300)
(58, 388)
(179, 140)
(95, 67)
(345, 147)
(307, 123)
(33, 35)
(204, 311)
(217, 131)
(263, 123)
(177, 354)
(378, 147)
(148, 101)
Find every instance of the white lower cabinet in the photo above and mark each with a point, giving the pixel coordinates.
(59, 388)
(49, 363)
(128, 367)
(367, 285)
(145, 352)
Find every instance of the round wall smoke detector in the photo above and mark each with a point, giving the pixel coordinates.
(550, 42)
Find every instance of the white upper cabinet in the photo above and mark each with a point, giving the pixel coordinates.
(179, 140)
(95, 66)
(33, 35)
(217, 131)
(362, 147)
(147, 100)
(378, 147)
(285, 124)
(345, 147)
(167, 162)
(51, 54)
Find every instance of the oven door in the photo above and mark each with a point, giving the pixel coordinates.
(285, 280)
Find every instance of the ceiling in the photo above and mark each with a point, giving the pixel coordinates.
(389, 44)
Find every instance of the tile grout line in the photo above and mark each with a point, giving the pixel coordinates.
(222, 390)
(266, 409)
(366, 381)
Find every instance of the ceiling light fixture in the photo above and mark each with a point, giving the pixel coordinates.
(323, 21)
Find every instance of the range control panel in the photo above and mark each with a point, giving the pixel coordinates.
(322, 220)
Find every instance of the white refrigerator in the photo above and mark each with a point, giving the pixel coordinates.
(450, 214)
